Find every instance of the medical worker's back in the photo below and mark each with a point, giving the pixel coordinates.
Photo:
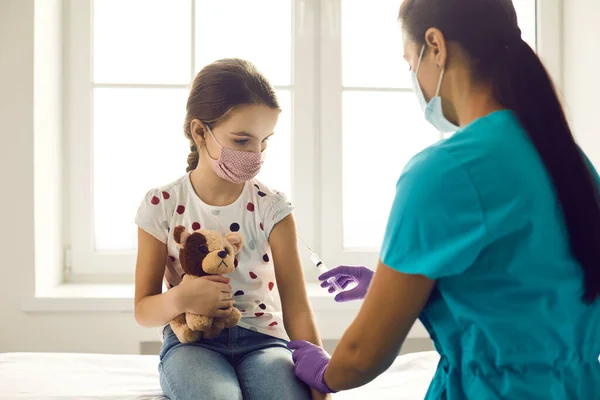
(512, 324)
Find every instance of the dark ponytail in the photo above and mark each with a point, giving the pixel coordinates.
(488, 32)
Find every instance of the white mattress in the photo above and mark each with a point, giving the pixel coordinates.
(93, 376)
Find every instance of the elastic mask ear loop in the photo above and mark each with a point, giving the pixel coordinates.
(213, 135)
(437, 92)
(214, 138)
(420, 59)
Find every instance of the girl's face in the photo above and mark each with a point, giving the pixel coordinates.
(246, 128)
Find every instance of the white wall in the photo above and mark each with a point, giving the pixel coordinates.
(21, 331)
(580, 72)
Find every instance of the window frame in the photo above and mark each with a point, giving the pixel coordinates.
(316, 90)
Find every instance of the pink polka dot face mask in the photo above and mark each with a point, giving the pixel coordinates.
(234, 165)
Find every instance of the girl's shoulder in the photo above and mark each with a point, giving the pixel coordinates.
(266, 191)
(180, 185)
(272, 205)
(264, 195)
(167, 195)
(160, 203)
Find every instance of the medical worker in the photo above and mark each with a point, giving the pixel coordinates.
(493, 240)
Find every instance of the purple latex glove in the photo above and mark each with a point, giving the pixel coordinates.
(311, 362)
(344, 276)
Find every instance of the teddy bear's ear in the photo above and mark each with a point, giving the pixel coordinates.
(236, 240)
(180, 234)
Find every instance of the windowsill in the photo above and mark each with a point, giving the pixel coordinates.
(333, 318)
(80, 297)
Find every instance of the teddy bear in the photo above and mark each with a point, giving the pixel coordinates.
(203, 252)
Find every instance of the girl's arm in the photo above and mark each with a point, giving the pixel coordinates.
(154, 308)
(298, 317)
(297, 314)
(373, 341)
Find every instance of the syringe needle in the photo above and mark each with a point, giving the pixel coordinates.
(322, 267)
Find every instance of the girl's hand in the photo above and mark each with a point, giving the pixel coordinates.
(208, 295)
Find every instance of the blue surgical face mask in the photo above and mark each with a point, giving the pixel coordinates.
(433, 110)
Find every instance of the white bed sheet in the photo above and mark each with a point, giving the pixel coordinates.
(55, 376)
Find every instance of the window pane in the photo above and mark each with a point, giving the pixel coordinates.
(142, 41)
(372, 52)
(277, 170)
(138, 145)
(259, 31)
(382, 131)
(527, 15)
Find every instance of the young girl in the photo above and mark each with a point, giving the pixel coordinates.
(232, 111)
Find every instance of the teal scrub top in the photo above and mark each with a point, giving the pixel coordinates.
(478, 214)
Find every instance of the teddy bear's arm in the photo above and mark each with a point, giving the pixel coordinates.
(198, 322)
(233, 318)
(182, 331)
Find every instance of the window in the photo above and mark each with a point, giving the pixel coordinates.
(373, 113)
(133, 67)
(350, 121)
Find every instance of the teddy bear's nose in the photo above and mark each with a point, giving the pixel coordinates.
(222, 254)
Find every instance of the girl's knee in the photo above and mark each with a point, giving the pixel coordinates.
(269, 374)
(187, 372)
(181, 387)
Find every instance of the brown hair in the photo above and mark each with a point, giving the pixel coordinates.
(217, 89)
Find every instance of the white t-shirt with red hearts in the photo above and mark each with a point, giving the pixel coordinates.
(254, 214)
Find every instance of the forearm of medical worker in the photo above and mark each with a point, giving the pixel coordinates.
(298, 317)
(373, 340)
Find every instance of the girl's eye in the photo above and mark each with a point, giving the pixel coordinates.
(241, 141)
(204, 249)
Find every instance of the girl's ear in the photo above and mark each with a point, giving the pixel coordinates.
(236, 241)
(181, 235)
(198, 132)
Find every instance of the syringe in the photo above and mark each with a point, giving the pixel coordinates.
(322, 267)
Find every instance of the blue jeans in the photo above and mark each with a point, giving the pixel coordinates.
(239, 364)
